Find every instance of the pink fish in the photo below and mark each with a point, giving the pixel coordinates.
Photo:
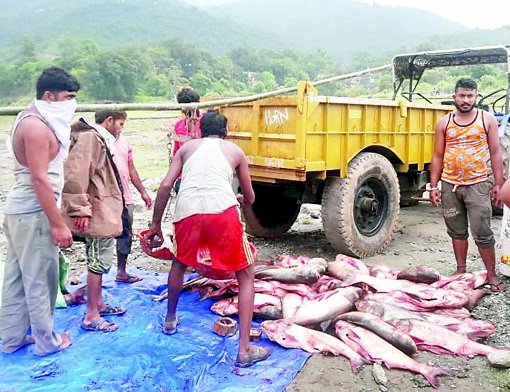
(290, 304)
(473, 329)
(375, 349)
(326, 306)
(381, 328)
(230, 306)
(418, 290)
(474, 280)
(355, 265)
(344, 266)
(383, 272)
(440, 340)
(449, 298)
(460, 313)
(326, 283)
(288, 261)
(302, 289)
(290, 335)
(264, 287)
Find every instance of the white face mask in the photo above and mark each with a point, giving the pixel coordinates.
(58, 115)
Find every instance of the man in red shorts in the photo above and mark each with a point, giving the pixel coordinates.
(208, 228)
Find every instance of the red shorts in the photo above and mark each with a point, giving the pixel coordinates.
(215, 241)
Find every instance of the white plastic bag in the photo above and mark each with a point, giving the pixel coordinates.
(504, 264)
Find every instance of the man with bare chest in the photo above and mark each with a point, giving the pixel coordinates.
(33, 225)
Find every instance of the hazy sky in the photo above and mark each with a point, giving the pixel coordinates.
(487, 14)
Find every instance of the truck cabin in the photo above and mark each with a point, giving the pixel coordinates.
(408, 69)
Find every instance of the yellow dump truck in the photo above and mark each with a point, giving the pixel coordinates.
(359, 158)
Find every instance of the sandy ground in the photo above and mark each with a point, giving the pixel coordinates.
(420, 240)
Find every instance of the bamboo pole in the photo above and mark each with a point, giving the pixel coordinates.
(14, 110)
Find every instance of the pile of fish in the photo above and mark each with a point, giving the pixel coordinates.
(368, 314)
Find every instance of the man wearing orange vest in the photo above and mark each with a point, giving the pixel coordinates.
(462, 141)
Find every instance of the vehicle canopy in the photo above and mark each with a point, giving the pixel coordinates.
(411, 67)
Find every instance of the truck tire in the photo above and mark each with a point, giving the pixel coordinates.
(360, 212)
(274, 212)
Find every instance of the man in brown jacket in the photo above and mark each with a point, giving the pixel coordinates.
(92, 204)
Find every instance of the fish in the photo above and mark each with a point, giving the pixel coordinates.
(268, 312)
(383, 272)
(230, 306)
(417, 290)
(326, 283)
(420, 274)
(304, 290)
(448, 299)
(302, 274)
(326, 306)
(474, 280)
(344, 266)
(287, 261)
(381, 328)
(473, 329)
(290, 335)
(263, 287)
(376, 349)
(290, 304)
(352, 263)
(440, 340)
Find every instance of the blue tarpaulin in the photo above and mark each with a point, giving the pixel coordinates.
(139, 357)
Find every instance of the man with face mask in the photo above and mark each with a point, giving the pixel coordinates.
(463, 139)
(93, 205)
(33, 225)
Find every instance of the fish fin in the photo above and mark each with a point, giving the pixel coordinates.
(350, 280)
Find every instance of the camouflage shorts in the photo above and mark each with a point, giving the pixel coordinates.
(468, 203)
(99, 252)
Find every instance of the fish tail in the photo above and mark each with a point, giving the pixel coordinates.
(432, 373)
(357, 364)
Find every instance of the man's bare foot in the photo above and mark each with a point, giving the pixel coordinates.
(459, 271)
(77, 297)
(254, 354)
(66, 341)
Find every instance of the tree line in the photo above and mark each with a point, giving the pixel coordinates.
(155, 73)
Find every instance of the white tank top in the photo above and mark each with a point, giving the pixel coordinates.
(206, 186)
(22, 198)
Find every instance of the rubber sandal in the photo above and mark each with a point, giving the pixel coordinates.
(129, 279)
(112, 311)
(98, 325)
(496, 287)
(256, 354)
(170, 327)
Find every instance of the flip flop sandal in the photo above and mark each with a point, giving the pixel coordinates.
(112, 311)
(170, 327)
(98, 325)
(129, 279)
(258, 354)
(496, 288)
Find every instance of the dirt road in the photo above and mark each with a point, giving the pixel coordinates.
(421, 239)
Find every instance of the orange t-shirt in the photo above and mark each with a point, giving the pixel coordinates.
(466, 151)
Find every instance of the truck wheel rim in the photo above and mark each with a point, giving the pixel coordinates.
(370, 206)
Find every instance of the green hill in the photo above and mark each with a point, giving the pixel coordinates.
(113, 23)
(340, 27)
